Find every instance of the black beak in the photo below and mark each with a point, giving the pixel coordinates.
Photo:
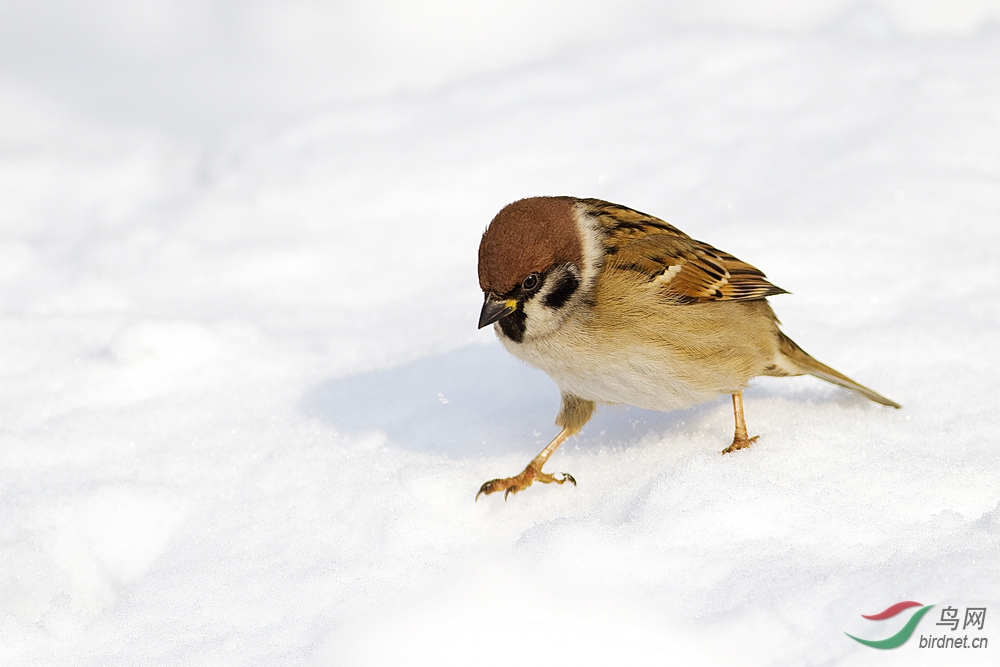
(496, 309)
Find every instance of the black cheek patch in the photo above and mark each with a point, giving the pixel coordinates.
(562, 291)
(513, 325)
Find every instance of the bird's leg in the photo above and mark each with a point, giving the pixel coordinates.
(740, 439)
(573, 414)
(532, 473)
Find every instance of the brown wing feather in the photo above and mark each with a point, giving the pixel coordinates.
(685, 270)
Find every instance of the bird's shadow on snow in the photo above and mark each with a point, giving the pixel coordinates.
(474, 401)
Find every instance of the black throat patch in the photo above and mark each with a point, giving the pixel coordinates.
(513, 325)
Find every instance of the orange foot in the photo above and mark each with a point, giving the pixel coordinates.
(740, 443)
(520, 482)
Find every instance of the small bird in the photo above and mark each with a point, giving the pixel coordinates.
(618, 306)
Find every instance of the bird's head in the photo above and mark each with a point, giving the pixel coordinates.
(532, 266)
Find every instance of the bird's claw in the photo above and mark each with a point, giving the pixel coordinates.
(491, 486)
(520, 482)
(740, 443)
(566, 477)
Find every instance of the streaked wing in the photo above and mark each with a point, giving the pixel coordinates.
(685, 270)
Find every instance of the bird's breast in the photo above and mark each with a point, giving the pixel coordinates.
(659, 362)
(638, 375)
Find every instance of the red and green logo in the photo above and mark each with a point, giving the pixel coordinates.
(900, 637)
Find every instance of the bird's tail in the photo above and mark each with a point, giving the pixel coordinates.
(807, 364)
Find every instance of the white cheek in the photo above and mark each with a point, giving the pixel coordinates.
(541, 319)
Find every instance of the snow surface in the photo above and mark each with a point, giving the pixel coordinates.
(246, 407)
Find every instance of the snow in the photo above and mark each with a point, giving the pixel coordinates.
(247, 409)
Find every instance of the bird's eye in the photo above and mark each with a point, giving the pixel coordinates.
(530, 282)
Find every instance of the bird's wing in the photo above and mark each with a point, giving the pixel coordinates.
(682, 269)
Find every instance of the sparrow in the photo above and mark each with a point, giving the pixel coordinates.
(618, 306)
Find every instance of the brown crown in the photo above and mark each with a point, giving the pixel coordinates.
(527, 236)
